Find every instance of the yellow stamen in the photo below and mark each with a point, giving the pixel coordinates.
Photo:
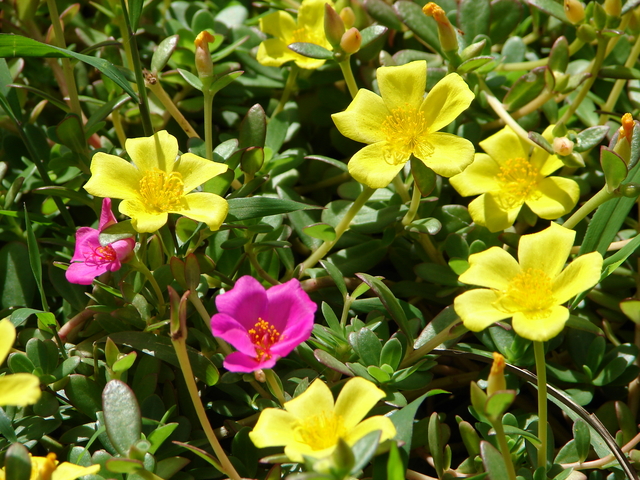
(263, 335)
(320, 431)
(162, 192)
(518, 178)
(531, 292)
(406, 133)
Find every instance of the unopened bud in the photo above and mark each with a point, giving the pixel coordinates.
(333, 26)
(625, 134)
(562, 146)
(204, 65)
(446, 32)
(348, 17)
(260, 376)
(586, 33)
(574, 10)
(351, 41)
(496, 380)
(626, 129)
(630, 190)
(613, 7)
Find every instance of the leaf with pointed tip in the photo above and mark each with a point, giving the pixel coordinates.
(311, 50)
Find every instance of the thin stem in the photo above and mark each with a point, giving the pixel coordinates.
(497, 107)
(345, 66)
(253, 259)
(601, 462)
(154, 85)
(180, 347)
(532, 106)
(591, 204)
(117, 125)
(401, 189)
(504, 448)
(586, 86)
(576, 45)
(619, 84)
(541, 371)
(275, 386)
(208, 121)
(413, 207)
(342, 227)
(142, 268)
(289, 88)
(430, 249)
(327, 182)
(145, 115)
(197, 303)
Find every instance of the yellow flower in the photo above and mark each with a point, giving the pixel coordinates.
(532, 290)
(507, 178)
(48, 468)
(19, 389)
(157, 184)
(403, 122)
(309, 28)
(311, 424)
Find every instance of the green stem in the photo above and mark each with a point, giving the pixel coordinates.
(253, 259)
(196, 302)
(504, 448)
(154, 85)
(180, 347)
(345, 66)
(289, 88)
(142, 268)
(145, 115)
(413, 207)
(593, 203)
(619, 84)
(586, 86)
(208, 122)
(342, 227)
(275, 386)
(541, 371)
(510, 67)
(499, 109)
(401, 189)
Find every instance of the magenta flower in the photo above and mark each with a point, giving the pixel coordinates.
(263, 325)
(92, 259)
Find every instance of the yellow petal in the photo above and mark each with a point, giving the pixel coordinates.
(369, 167)
(485, 211)
(274, 428)
(451, 154)
(378, 422)
(504, 145)
(363, 117)
(296, 450)
(143, 220)
(196, 170)
(274, 53)
(7, 337)
(279, 24)
(19, 389)
(356, 398)
(493, 268)
(547, 250)
(311, 18)
(316, 399)
(448, 99)
(70, 471)
(554, 197)
(477, 178)
(113, 177)
(157, 151)
(476, 309)
(403, 85)
(205, 207)
(581, 274)
(540, 158)
(540, 328)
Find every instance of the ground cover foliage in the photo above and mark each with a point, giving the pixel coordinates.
(317, 240)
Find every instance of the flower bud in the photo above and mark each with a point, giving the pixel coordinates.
(333, 26)
(586, 33)
(260, 376)
(574, 10)
(496, 380)
(348, 17)
(351, 41)
(613, 7)
(204, 65)
(562, 146)
(630, 190)
(446, 32)
(625, 134)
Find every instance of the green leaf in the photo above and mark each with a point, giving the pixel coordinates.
(559, 55)
(551, 7)
(424, 177)
(258, 207)
(436, 443)
(117, 231)
(253, 129)
(364, 450)
(191, 79)
(17, 285)
(124, 465)
(121, 415)
(17, 463)
(19, 46)
(163, 53)
(84, 394)
(506, 16)
(391, 353)
(337, 277)
(498, 403)
(383, 13)
(474, 63)
(367, 345)
(389, 301)
(590, 137)
(511, 430)
(321, 231)
(395, 466)
(43, 354)
(223, 81)
(202, 454)
(251, 160)
(541, 142)
(582, 437)
(34, 258)
(619, 72)
(525, 88)
(135, 10)
(493, 461)
(403, 421)
(328, 360)
(613, 167)
(422, 26)
(311, 50)
(371, 34)
(473, 18)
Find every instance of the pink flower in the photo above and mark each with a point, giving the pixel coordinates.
(263, 325)
(92, 259)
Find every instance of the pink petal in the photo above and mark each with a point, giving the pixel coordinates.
(123, 249)
(86, 243)
(83, 274)
(228, 329)
(106, 216)
(246, 301)
(241, 363)
(291, 311)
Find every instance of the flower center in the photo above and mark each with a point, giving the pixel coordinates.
(263, 335)
(406, 132)
(320, 431)
(101, 255)
(531, 292)
(161, 192)
(518, 178)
